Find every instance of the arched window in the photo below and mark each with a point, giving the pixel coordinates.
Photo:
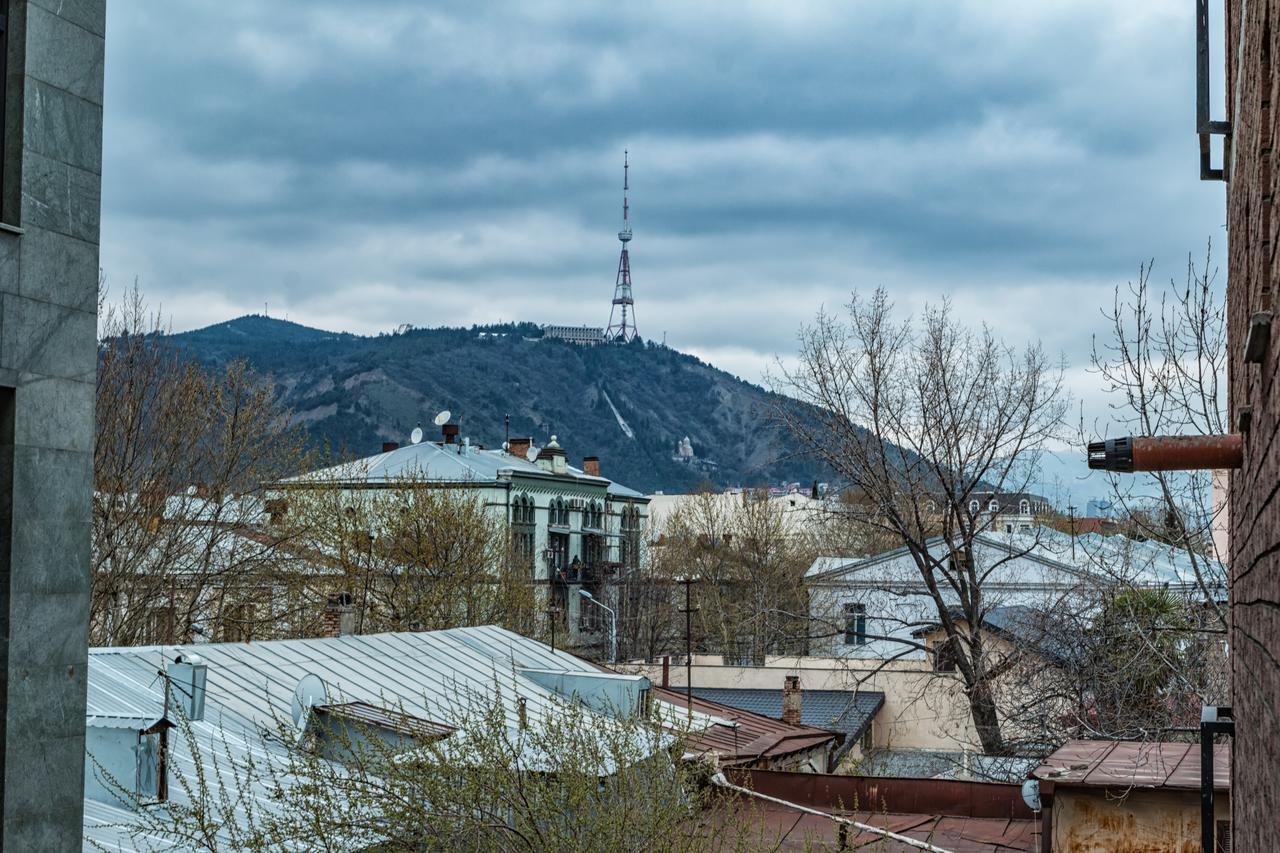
(993, 505)
(1024, 507)
(630, 541)
(558, 513)
(973, 507)
(523, 530)
(931, 507)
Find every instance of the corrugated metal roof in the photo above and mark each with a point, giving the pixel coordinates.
(452, 463)
(431, 675)
(1132, 764)
(750, 737)
(846, 712)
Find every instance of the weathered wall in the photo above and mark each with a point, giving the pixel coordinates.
(922, 710)
(48, 307)
(1111, 820)
(1251, 30)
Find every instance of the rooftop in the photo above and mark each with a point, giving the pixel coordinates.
(1129, 764)
(743, 737)
(846, 712)
(445, 463)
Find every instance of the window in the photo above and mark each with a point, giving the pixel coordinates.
(558, 513)
(993, 505)
(157, 626)
(855, 624)
(523, 528)
(944, 656)
(630, 536)
(236, 625)
(1024, 506)
(973, 507)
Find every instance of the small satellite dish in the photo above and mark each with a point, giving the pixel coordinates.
(192, 491)
(531, 454)
(309, 692)
(1031, 794)
(416, 436)
(443, 417)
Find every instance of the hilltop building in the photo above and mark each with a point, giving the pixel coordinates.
(587, 336)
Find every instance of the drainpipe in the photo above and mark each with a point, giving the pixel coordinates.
(1213, 721)
(1167, 453)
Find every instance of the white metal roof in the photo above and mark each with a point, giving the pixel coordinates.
(250, 686)
(451, 463)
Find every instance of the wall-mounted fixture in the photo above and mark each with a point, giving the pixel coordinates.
(1167, 453)
(1204, 126)
(1258, 341)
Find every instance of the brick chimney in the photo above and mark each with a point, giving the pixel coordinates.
(450, 433)
(591, 466)
(519, 446)
(337, 615)
(388, 446)
(792, 696)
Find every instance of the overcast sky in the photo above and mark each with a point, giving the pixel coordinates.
(356, 166)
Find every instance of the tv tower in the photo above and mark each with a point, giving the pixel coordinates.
(624, 329)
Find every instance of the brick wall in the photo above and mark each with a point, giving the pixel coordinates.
(1252, 222)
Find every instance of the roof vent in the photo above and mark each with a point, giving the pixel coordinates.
(187, 678)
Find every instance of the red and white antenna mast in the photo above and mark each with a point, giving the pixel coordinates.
(622, 317)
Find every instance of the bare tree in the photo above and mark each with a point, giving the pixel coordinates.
(916, 419)
(412, 556)
(181, 457)
(1163, 366)
(750, 558)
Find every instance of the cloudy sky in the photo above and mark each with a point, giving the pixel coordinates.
(357, 166)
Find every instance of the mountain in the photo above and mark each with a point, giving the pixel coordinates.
(628, 404)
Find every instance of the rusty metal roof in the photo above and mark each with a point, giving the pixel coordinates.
(974, 817)
(751, 737)
(1131, 764)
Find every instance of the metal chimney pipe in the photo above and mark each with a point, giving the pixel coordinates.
(1167, 453)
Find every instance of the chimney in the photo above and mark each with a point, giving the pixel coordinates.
(450, 432)
(337, 615)
(791, 699)
(388, 446)
(519, 446)
(591, 466)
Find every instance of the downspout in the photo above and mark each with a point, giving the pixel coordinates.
(719, 779)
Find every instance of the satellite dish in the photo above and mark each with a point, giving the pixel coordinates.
(309, 693)
(531, 454)
(1031, 794)
(443, 417)
(416, 436)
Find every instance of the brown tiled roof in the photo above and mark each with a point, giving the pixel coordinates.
(754, 738)
(1129, 764)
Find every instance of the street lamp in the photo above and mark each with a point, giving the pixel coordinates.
(613, 623)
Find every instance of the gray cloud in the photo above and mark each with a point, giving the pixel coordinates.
(361, 166)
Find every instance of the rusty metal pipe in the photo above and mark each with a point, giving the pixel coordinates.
(1167, 453)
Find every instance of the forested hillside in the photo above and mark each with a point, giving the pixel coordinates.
(628, 404)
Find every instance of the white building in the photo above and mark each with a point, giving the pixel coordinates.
(885, 596)
(586, 336)
(577, 528)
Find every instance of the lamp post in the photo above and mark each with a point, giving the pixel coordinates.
(688, 610)
(613, 623)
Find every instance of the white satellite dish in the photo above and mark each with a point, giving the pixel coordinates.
(416, 436)
(1031, 794)
(309, 693)
(531, 454)
(443, 417)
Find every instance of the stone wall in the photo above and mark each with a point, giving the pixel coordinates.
(48, 308)
(1251, 30)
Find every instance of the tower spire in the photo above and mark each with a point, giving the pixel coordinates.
(622, 320)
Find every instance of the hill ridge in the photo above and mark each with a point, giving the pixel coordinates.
(354, 391)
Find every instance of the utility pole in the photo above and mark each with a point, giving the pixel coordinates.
(688, 611)
(1071, 513)
(552, 612)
